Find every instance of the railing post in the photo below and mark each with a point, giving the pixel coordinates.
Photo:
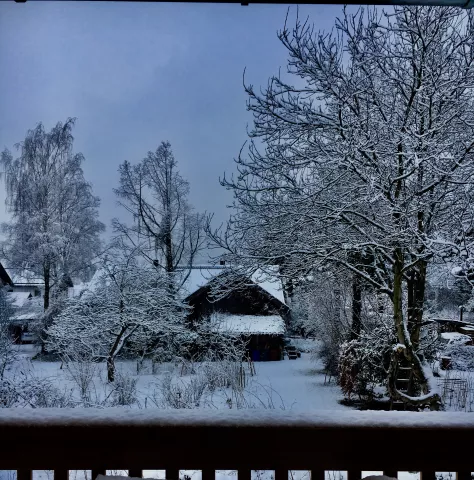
(135, 473)
(61, 474)
(427, 475)
(281, 474)
(244, 474)
(208, 474)
(391, 473)
(24, 474)
(172, 474)
(354, 474)
(97, 471)
(317, 474)
(463, 476)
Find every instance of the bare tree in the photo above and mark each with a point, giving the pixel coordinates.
(166, 230)
(128, 300)
(370, 158)
(54, 231)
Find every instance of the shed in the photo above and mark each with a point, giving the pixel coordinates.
(252, 308)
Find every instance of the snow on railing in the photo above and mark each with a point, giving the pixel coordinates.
(209, 440)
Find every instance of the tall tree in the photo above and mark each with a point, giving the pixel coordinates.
(55, 229)
(166, 230)
(372, 154)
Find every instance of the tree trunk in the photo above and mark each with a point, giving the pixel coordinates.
(47, 285)
(110, 368)
(405, 346)
(356, 307)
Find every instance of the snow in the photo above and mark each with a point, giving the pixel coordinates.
(250, 324)
(456, 271)
(18, 299)
(294, 385)
(235, 418)
(27, 316)
(200, 276)
(455, 337)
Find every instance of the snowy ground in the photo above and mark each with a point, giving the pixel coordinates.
(289, 384)
(296, 385)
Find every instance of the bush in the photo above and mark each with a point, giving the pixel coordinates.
(462, 356)
(363, 363)
(125, 390)
(34, 392)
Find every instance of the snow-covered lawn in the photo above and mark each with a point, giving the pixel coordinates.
(289, 384)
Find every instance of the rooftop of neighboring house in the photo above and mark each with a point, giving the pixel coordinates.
(23, 277)
(4, 277)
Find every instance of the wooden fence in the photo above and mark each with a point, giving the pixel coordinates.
(174, 440)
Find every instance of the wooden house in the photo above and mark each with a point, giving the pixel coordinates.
(250, 308)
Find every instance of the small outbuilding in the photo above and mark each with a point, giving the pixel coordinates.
(249, 308)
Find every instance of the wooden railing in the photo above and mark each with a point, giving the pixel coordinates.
(352, 441)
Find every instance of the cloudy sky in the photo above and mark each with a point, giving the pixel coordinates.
(136, 74)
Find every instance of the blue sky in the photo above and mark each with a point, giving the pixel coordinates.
(137, 73)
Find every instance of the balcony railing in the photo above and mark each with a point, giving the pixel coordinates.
(352, 441)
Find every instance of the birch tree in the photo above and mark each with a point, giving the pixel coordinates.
(367, 164)
(128, 301)
(55, 230)
(165, 230)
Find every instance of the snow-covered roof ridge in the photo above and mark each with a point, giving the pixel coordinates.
(201, 275)
(117, 416)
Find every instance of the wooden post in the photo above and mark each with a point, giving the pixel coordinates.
(61, 474)
(97, 471)
(354, 474)
(208, 474)
(172, 474)
(281, 474)
(24, 474)
(317, 473)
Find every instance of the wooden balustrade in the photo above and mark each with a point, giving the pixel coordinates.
(90, 439)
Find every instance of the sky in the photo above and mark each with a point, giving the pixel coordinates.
(135, 74)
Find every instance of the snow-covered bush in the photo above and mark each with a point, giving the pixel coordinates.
(34, 392)
(363, 363)
(83, 372)
(462, 356)
(173, 393)
(125, 390)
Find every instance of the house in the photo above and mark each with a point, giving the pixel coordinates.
(24, 291)
(5, 279)
(249, 308)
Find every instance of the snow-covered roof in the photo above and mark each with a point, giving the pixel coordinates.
(26, 316)
(201, 275)
(248, 324)
(24, 277)
(90, 286)
(19, 299)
